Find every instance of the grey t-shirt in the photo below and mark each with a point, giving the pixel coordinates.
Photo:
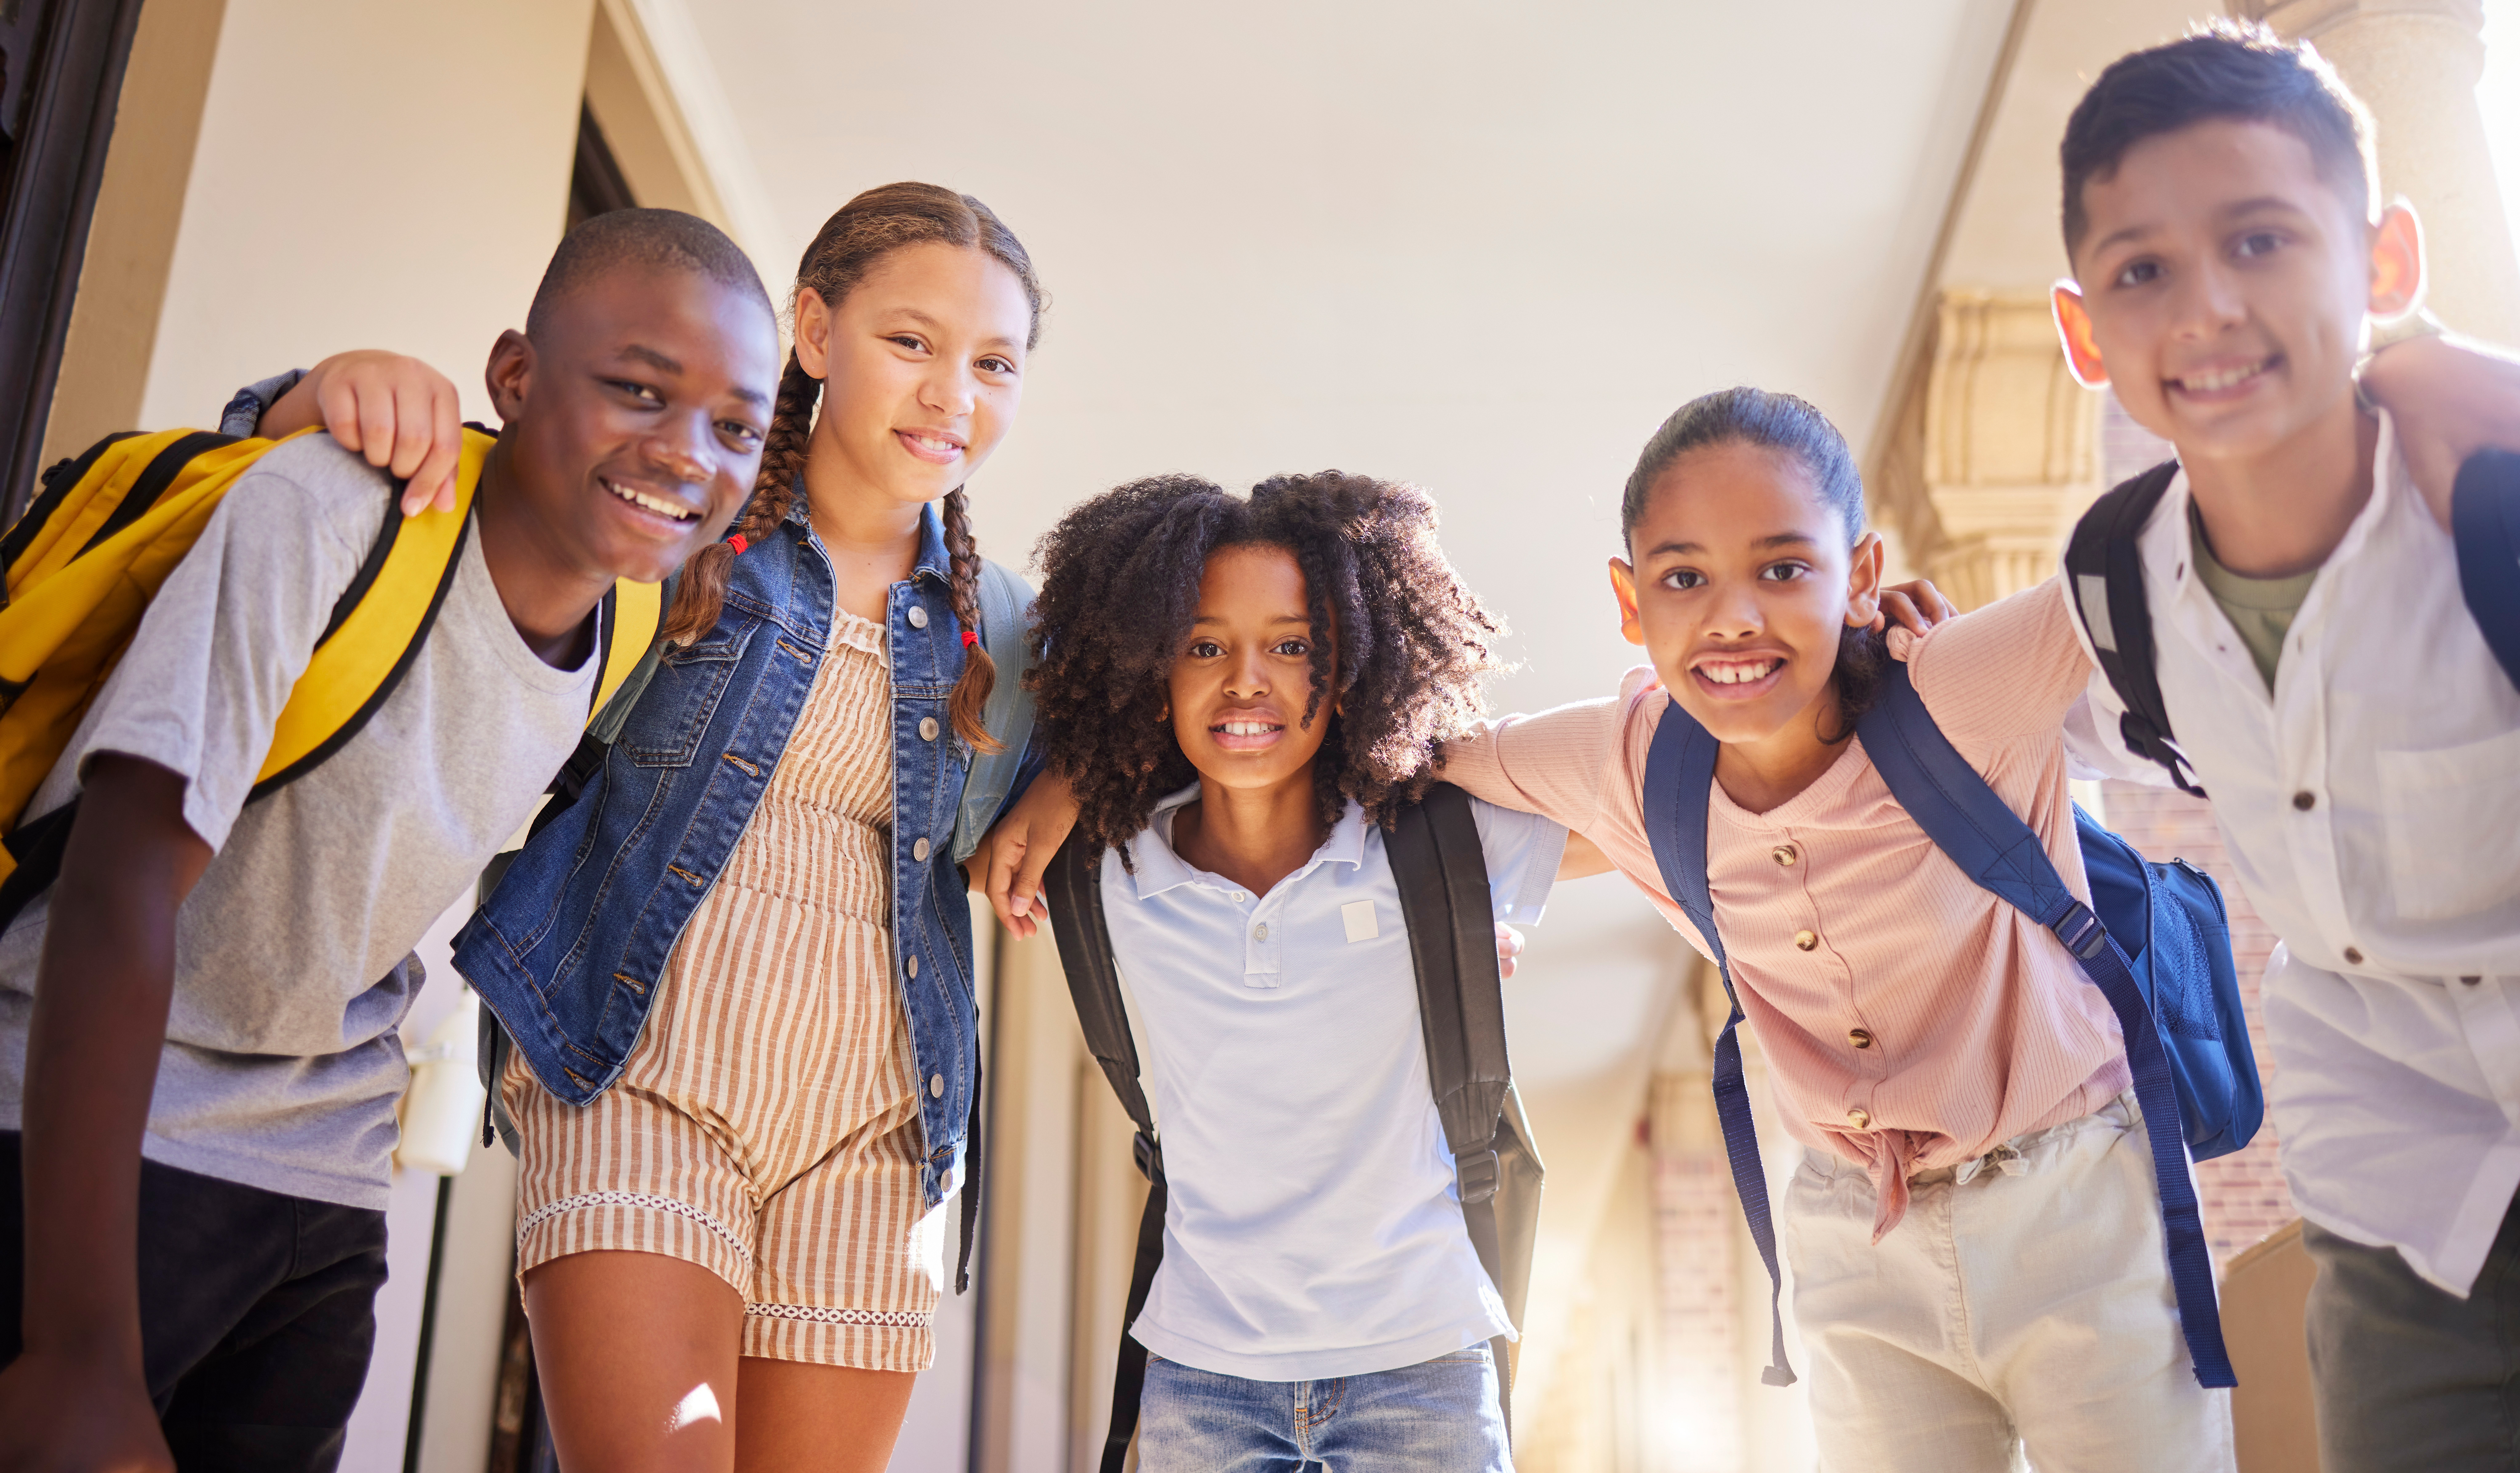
(282, 1062)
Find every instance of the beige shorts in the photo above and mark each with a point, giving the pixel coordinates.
(767, 1131)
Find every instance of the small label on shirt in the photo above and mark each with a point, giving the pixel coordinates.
(1359, 915)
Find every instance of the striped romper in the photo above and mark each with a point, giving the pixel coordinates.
(766, 1126)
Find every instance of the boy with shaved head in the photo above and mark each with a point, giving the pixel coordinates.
(199, 1056)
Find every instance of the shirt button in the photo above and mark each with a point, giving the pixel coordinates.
(1782, 853)
(2472, 981)
(2305, 800)
(927, 728)
(1859, 1037)
(936, 1086)
(912, 965)
(1260, 933)
(1858, 1118)
(919, 850)
(2353, 958)
(918, 617)
(1803, 941)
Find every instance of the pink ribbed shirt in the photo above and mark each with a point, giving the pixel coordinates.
(1978, 1025)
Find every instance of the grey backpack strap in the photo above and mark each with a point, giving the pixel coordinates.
(1006, 614)
(1441, 869)
(1073, 887)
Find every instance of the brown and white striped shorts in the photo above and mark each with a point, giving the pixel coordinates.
(766, 1126)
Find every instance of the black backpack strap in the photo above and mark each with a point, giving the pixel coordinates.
(2484, 522)
(1073, 887)
(1441, 869)
(2106, 575)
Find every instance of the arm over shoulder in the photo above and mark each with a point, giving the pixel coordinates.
(2011, 669)
(1556, 764)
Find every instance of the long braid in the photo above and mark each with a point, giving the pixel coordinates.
(969, 700)
(702, 595)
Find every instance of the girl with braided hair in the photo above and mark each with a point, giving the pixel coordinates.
(737, 968)
(1244, 695)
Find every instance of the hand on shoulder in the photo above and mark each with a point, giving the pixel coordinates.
(402, 415)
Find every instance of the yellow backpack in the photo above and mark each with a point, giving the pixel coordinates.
(107, 530)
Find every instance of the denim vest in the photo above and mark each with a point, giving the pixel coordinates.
(570, 948)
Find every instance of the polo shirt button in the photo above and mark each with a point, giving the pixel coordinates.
(2353, 958)
(1803, 941)
(1782, 853)
(912, 965)
(936, 1086)
(919, 850)
(918, 617)
(927, 728)
(1260, 933)
(1859, 1037)
(1858, 1118)
(2305, 800)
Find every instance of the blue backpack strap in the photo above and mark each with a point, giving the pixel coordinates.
(2485, 524)
(1679, 773)
(1989, 842)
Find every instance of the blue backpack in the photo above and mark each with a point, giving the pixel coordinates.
(2159, 950)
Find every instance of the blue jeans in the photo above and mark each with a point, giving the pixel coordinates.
(1438, 1416)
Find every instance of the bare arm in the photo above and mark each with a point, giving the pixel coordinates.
(2451, 399)
(1582, 860)
(76, 1397)
(403, 415)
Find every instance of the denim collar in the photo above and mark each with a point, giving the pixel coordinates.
(934, 560)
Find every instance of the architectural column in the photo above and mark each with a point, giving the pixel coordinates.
(2414, 63)
(1994, 451)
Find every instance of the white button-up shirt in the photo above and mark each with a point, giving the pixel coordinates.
(2372, 806)
(1312, 1228)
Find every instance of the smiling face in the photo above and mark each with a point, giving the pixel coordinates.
(2224, 282)
(1740, 586)
(922, 366)
(634, 418)
(1244, 674)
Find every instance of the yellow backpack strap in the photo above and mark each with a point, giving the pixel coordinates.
(631, 612)
(377, 627)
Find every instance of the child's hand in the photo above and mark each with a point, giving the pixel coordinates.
(2450, 400)
(57, 1411)
(403, 415)
(1008, 866)
(1908, 611)
(1509, 948)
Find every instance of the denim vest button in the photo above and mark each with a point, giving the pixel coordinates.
(912, 965)
(936, 1086)
(918, 617)
(918, 850)
(927, 728)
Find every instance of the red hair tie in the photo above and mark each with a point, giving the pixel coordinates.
(739, 542)
(969, 639)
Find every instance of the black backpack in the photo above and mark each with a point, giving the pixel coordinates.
(2106, 571)
(1443, 879)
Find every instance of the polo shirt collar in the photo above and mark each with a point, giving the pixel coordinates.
(1160, 869)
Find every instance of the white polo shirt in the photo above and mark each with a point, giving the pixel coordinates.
(2371, 805)
(1313, 1228)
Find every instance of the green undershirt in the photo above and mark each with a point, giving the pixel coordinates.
(2260, 610)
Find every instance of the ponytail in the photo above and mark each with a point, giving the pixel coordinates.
(970, 696)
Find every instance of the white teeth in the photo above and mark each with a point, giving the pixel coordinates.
(1739, 674)
(652, 503)
(2208, 382)
(945, 445)
(1246, 728)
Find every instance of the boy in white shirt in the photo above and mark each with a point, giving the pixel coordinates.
(2336, 699)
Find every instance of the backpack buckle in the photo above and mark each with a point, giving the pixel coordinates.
(1150, 1156)
(1477, 1171)
(2081, 932)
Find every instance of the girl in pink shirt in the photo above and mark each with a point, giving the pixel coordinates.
(1978, 1257)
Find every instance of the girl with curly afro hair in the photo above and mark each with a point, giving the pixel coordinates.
(1243, 695)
